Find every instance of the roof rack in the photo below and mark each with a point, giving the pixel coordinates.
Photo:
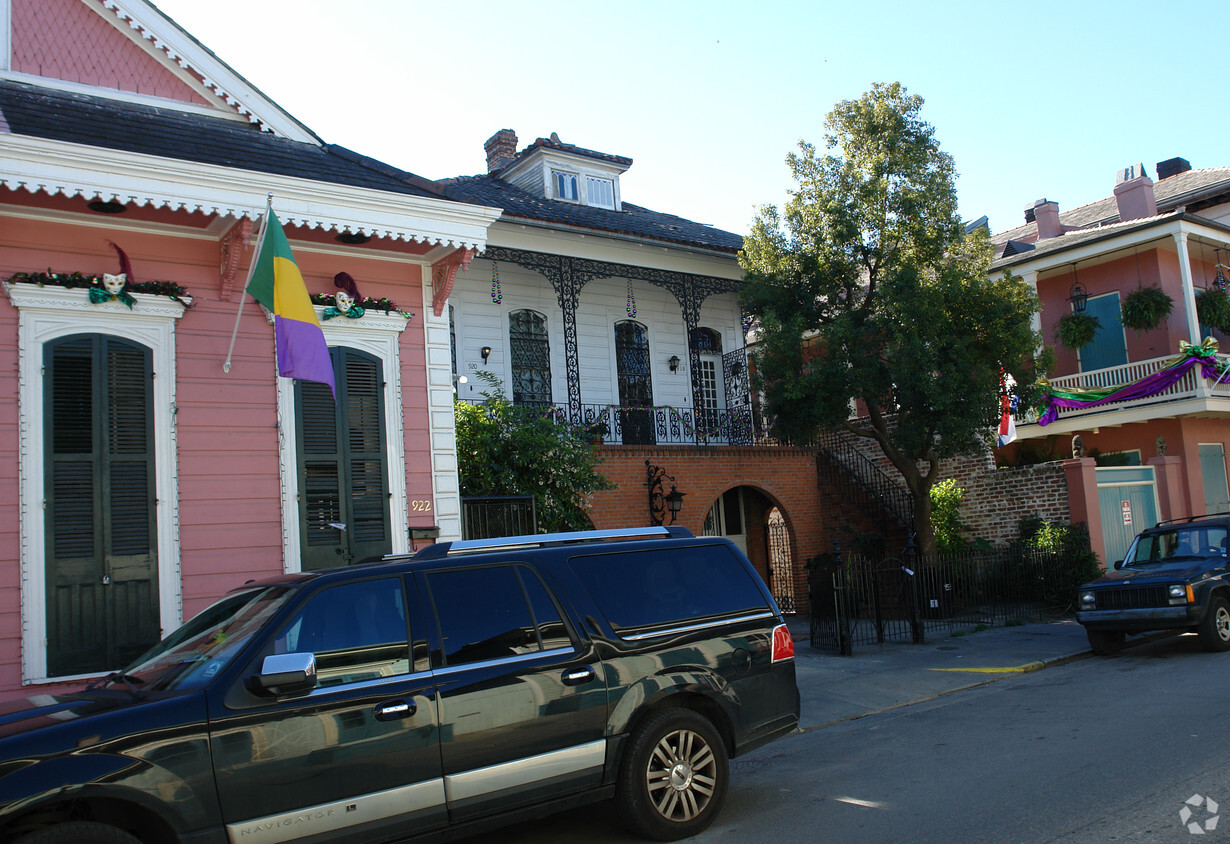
(542, 540)
(1189, 519)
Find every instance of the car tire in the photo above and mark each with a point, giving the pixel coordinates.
(1105, 642)
(1214, 629)
(79, 832)
(673, 777)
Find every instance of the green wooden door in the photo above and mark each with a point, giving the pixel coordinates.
(101, 559)
(343, 475)
(1213, 468)
(1127, 497)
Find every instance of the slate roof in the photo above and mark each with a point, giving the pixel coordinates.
(1193, 190)
(632, 220)
(169, 133)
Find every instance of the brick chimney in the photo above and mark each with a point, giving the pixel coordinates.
(1046, 214)
(1172, 167)
(1134, 194)
(501, 148)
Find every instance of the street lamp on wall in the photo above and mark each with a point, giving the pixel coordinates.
(485, 351)
(661, 503)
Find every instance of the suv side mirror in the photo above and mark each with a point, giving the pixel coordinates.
(1118, 564)
(284, 674)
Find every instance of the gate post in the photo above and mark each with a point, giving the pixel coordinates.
(909, 565)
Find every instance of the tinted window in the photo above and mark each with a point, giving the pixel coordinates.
(356, 630)
(485, 613)
(652, 588)
(550, 624)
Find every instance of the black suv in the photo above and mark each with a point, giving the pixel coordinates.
(469, 685)
(1174, 577)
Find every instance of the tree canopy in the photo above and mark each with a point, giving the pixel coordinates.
(505, 449)
(866, 286)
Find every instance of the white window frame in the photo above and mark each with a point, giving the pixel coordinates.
(379, 335)
(558, 177)
(609, 184)
(46, 314)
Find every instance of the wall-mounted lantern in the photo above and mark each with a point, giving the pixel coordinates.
(1077, 294)
(485, 351)
(662, 503)
(673, 363)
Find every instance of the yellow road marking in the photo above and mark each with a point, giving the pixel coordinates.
(1016, 669)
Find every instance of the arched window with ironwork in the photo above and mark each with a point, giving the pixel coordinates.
(531, 358)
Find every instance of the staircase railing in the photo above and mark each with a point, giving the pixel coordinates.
(839, 463)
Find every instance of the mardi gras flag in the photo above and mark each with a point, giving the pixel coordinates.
(278, 285)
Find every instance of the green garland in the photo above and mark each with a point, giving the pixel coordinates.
(367, 303)
(80, 280)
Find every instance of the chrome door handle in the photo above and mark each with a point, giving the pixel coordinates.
(577, 676)
(395, 709)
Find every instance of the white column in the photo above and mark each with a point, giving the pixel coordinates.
(1189, 290)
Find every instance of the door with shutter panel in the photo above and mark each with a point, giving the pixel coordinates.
(343, 473)
(101, 558)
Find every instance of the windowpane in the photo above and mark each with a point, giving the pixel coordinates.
(483, 615)
(657, 588)
(601, 192)
(565, 184)
(357, 632)
(531, 357)
(550, 623)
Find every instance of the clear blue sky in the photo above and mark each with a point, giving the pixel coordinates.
(1032, 99)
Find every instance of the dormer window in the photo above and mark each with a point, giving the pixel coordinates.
(601, 192)
(565, 185)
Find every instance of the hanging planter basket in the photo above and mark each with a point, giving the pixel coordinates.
(1213, 308)
(1074, 331)
(1144, 308)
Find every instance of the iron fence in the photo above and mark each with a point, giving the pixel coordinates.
(866, 602)
(498, 515)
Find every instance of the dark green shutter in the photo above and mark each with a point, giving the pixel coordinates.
(343, 476)
(102, 582)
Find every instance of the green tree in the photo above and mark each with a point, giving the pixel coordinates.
(867, 287)
(946, 515)
(503, 449)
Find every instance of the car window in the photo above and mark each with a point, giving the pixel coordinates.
(645, 589)
(356, 630)
(493, 612)
(1181, 543)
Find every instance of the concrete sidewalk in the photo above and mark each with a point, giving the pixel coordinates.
(880, 677)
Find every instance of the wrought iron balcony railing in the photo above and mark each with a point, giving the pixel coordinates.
(659, 425)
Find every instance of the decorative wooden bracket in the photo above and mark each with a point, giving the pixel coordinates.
(237, 238)
(444, 273)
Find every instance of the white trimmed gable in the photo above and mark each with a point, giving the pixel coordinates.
(221, 92)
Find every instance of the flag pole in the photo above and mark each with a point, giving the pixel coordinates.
(243, 295)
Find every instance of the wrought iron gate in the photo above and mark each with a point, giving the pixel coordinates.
(781, 566)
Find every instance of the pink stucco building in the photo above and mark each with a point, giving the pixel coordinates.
(138, 479)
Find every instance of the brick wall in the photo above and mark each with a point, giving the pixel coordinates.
(995, 500)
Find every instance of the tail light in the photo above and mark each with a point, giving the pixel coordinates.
(783, 643)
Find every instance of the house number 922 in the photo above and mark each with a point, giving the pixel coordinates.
(423, 506)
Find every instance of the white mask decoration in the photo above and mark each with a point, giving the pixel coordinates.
(114, 283)
(343, 301)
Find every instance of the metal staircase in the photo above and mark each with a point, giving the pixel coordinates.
(853, 474)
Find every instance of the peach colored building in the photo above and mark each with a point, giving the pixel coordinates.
(1151, 457)
(141, 480)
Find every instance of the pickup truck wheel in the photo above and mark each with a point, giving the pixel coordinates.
(673, 777)
(79, 832)
(1214, 630)
(1105, 642)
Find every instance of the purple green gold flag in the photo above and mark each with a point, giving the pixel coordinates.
(278, 285)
